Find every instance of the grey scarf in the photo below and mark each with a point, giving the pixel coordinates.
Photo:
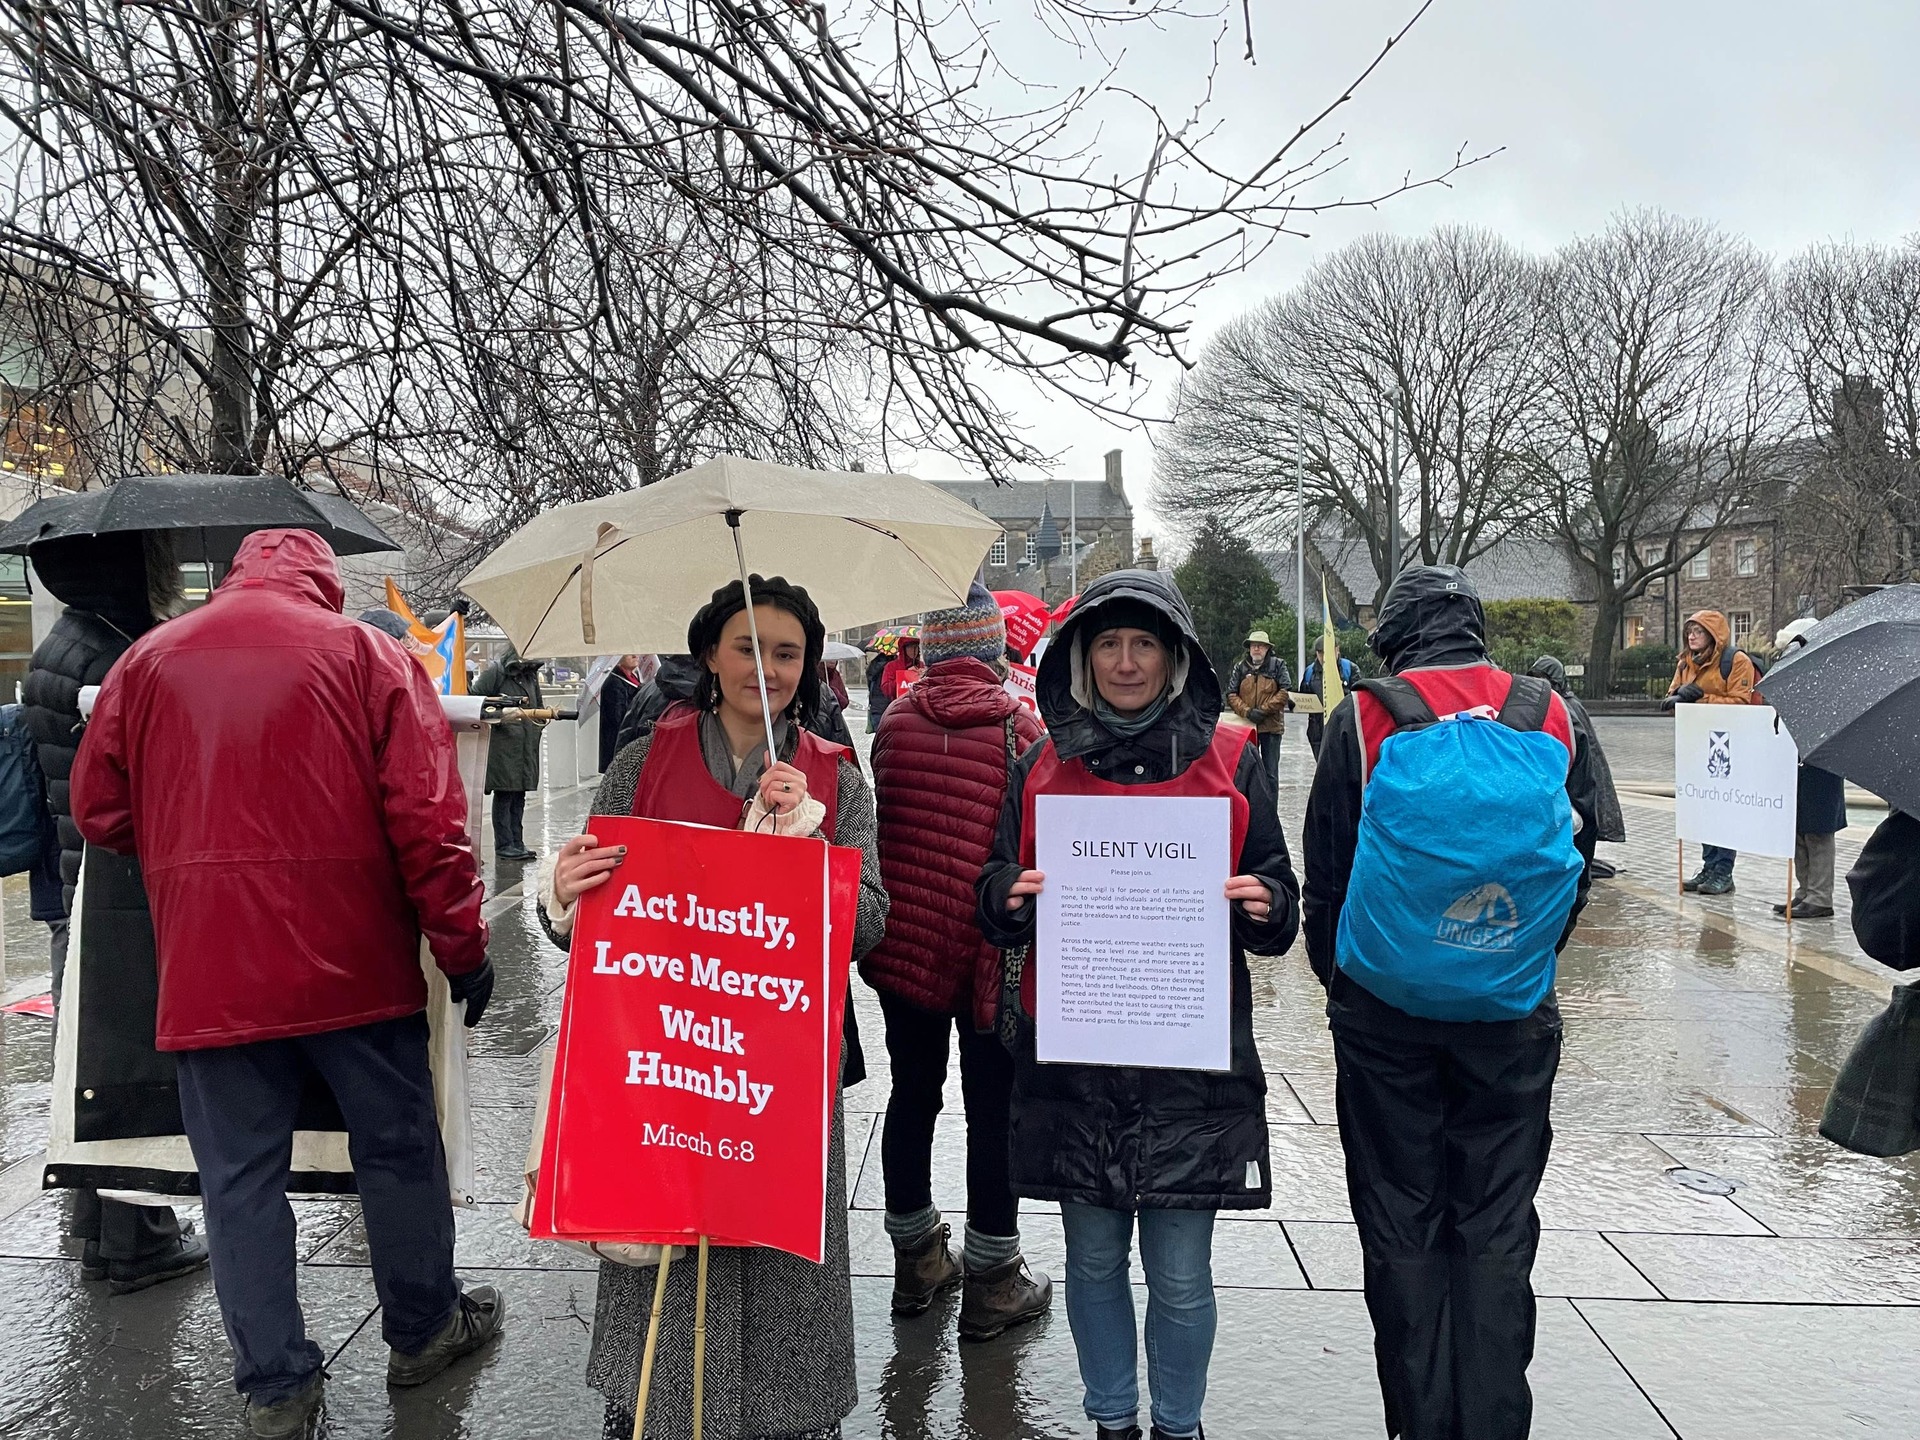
(717, 751)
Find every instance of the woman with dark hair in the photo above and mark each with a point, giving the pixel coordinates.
(1132, 710)
(779, 1333)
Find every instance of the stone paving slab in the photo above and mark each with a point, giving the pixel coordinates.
(1771, 1271)
(1571, 1263)
(1783, 1372)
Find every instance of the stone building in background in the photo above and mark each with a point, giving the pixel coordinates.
(1037, 515)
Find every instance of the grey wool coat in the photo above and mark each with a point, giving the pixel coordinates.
(779, 1356)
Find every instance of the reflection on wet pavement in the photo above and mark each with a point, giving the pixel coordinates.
(1788, 1307)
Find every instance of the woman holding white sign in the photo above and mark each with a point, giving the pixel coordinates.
(1132, 707)
(779, 1330)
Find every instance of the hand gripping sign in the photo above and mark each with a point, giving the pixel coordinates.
(699, 1048)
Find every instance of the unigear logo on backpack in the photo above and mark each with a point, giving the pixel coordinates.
(1482, 919)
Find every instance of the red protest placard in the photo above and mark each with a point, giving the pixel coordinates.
(699, 1044)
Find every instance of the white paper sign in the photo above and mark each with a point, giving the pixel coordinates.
(1735, 778)
(1131, 952)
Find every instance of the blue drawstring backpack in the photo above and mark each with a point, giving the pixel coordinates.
(1465, 867)
(26, 829)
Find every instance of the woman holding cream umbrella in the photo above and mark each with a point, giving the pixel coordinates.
(858, 549)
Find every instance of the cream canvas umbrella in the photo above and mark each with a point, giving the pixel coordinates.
(627, 572)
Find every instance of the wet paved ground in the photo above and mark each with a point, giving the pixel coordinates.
(1788, 1308)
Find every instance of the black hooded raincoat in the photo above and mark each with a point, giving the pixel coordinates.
(1118, 1136)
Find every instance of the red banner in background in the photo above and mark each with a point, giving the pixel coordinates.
(699, 1048)
(1026, 616)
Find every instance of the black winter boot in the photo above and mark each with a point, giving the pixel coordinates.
(1132, 1432)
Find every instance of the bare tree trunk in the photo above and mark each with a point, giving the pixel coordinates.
(1606, 625)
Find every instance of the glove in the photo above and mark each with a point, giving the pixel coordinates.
(1255, 715)
(475, 988)
(1688, 695)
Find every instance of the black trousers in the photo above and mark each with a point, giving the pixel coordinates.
(127, 1233)
(1270, 757)
(238, 1103)
(917, 1055)
(1445, 1145)
(509, 820)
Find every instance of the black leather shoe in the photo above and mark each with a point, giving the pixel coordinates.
(124, 1277)
(1690, 886)
(1132, 1432)
(1159, 1434)
(1803, 911)
(92, 1267)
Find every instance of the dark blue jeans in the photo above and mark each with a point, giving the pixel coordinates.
(1718, 860)
(239, 1102)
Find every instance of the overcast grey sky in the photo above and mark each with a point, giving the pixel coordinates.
(1788, 123)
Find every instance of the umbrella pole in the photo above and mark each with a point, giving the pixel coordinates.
(1789, 895)
(753, 629)
(653, 1338)
(1680, 867)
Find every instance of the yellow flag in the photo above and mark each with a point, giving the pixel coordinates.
(1332, 692)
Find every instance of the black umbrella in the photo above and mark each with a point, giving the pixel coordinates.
(1851, 697)
(208, 515)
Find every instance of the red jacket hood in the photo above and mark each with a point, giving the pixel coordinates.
(296, 563)
(959, 693)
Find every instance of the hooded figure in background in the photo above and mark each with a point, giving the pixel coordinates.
(513, 750)
(1132, 706)
(1257, 692)
(115, 587)
(1444, 1123)
(1710, 671)
(1609, 821)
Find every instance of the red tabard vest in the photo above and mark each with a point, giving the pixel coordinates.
(1211, 775)
(675, 783)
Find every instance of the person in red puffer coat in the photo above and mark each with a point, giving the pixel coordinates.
(940, 761)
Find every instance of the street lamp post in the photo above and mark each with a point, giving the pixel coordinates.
(1299, 560)
(1393, 496)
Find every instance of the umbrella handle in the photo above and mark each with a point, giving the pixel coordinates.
(753, 629)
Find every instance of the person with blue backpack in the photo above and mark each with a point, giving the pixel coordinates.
(1447, 838)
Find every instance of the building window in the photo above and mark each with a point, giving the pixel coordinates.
(998, 554)
(1746, 557)
(1636, 631)
(31, 443)
(1741, 622)
(1033, 555)
(1619, 567)
(1700, 567)
(1652, 555)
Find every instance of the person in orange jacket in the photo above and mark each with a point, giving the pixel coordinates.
(1711, 671)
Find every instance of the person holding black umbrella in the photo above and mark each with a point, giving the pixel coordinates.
(115, 588)
(1821, 814)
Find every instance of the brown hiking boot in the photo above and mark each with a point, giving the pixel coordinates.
(477, 1317)
(922, 1269)
(998, 1299)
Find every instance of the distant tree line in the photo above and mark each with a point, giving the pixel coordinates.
(1625, 397)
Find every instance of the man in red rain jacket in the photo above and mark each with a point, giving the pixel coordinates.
(288, 781)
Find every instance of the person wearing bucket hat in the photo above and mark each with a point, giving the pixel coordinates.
(940, 762)
(1257, 692)
(1132, 708)
(779, 1339)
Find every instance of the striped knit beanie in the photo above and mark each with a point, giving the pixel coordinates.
(974, 630)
